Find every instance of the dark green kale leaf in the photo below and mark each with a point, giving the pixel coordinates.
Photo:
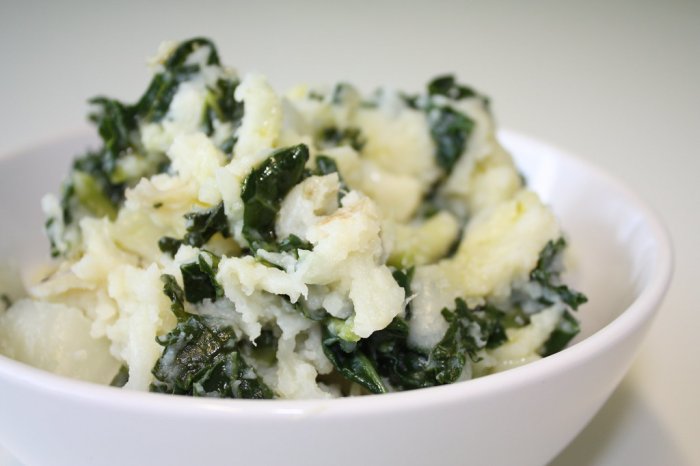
(121, 378)
(174, 292)
(202, 225)
(223, 106)
(97, 182)
(450, 130)
(199, 278)
(567, 328)
(469, 331)
(169, 245)
(116, 124)
(325, 166)
(201, 357)
(388, 353)
(186, 48)
(265, 347)
(293, 243)
(547, 273)
(334, 137)
(350, 361)
(447, 86)
(155, 102)
(263, 191)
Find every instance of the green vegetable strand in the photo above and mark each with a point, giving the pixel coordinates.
(263, 192)
(201, 357)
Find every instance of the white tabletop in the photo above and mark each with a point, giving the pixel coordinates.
(617, 82)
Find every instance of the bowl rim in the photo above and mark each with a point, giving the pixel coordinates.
(641, 310)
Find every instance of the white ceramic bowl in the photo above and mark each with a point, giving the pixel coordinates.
(524, 416)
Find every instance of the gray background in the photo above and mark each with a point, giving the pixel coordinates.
(615, 82)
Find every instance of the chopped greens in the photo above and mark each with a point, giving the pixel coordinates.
(547, 273)
(199, 278)
(223, 107)
(450, 131)
(293, 243)
(388, 353)
(169, 245)
(155, 102)
(265, 347)
(121, 378)
(325, 166)
(201, 357)
(350, 361)
(99, 178)
(201, 225)
(567, 328)
(410, 227)
(263, 191)
(447, 86)
(334, 137)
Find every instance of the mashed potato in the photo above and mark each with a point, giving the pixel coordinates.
(230, 241)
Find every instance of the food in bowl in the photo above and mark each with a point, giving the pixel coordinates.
(228, 241)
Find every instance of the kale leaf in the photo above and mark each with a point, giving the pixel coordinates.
(388, 353)
(325, 166)
(201, 357)
(450, 130)
(265, 347)
(201, 225)
(155, 102)
(263, 191)
(447, 86)
(99, 179)
(547, 274)
(469, 331)
(121, 378)
(223, 106)
(199, 278)
(567, 328)
(349, 360)
(169, 245)
(334, 137)
(293, 243)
